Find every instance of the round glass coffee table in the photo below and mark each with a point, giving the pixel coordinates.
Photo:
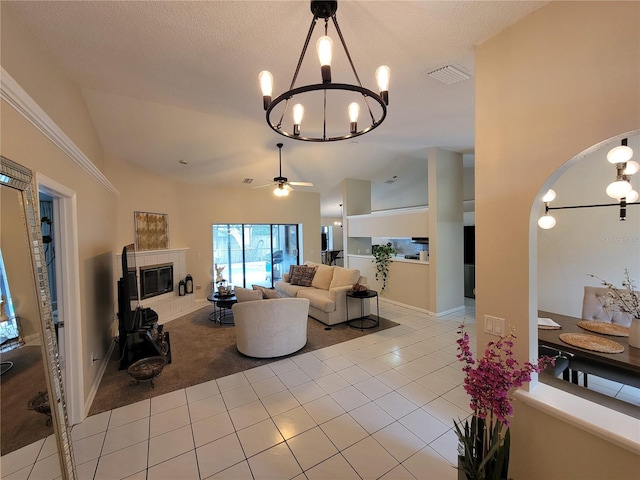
(221, 308)
(363, 321)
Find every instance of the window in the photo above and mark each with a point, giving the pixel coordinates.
(254, 254)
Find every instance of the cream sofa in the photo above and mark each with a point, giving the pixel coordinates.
(327, 293)
(271, 328)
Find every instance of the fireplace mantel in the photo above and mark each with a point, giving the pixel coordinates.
(141, 253)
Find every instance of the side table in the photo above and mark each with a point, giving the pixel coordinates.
(373, 322)
(221, 306)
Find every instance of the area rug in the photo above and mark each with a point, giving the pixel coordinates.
(202, 350)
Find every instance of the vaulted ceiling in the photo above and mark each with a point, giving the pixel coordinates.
(172, 81)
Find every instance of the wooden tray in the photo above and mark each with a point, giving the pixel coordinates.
(605, 328)
(591, 342)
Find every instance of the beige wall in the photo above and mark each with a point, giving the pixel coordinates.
(193, 209)
(446, 236)
(558, 82)
(47, 84)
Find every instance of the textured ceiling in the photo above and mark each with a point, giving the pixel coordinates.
(170, 81)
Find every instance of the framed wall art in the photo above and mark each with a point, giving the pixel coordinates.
(152, 230)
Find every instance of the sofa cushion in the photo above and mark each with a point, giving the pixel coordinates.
(320, 299)
(343, 277)
(289, 290)
(307, 275)
(267, 293)
(301, 275)
(294, 274)
(247, 295)
(323, 276)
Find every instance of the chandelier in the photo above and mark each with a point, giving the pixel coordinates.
(620, 190)
(375, 104)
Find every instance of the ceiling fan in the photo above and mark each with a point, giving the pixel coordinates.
(283, 185)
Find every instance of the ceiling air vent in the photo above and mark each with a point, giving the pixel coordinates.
(247, 181)
(450, 74)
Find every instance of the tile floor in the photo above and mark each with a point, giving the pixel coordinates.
(380, 406)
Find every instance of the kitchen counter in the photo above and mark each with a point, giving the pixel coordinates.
(408, 281)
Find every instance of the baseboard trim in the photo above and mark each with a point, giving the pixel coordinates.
(94, 388)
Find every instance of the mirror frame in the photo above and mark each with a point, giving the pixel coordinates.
(18, 177)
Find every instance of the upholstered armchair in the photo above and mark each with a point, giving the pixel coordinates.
(594, 307)
(271, 328)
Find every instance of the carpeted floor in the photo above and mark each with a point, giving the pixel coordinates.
(20, 425)
(202, 350)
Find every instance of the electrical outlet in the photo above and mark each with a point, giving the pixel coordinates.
(494, 325)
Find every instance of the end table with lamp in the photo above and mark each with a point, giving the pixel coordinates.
(362, 296)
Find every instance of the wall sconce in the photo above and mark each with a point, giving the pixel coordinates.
(621, 189)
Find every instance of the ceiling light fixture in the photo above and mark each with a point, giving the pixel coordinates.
(326, 10)
(621, 189)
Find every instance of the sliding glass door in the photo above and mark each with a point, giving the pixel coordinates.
(254, 254)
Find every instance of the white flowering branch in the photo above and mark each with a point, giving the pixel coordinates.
(625, 299)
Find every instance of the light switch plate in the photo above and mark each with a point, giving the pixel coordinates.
(494, 325)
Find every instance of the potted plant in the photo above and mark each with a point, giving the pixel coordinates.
(382, 256)
(484, 439)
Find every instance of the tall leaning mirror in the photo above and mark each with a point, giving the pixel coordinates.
(22, 242)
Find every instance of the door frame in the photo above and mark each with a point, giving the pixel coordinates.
(69, 307)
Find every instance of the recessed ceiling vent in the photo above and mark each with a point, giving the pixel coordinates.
(391, 180)
(450, 74)
(247, 181)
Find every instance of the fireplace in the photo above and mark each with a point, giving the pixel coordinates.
(156, 280)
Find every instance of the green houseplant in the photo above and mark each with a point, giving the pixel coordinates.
(382, 256)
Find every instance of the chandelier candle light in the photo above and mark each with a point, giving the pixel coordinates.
(324, 46)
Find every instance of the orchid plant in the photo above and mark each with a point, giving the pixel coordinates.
(490, 381)
(625, 299)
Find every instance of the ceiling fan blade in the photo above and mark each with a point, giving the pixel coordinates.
(301, 184)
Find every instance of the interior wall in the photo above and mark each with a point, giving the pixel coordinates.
(48, 85)
(193, 209)
(446, 236)
(561, 80)
(594, 233)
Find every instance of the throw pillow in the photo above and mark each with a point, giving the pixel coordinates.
(266, 292)
(344, 276)
(294, 274)
(323, 276)
(247, 295)
(307, 276)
